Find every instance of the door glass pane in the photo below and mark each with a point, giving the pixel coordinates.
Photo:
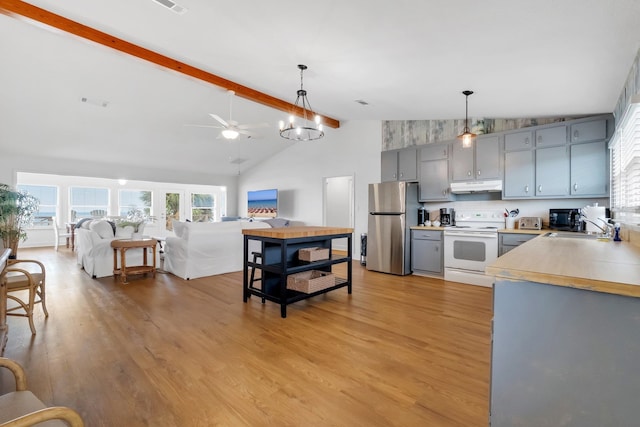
(172, 209)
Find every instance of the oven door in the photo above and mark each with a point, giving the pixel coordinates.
(469, 250)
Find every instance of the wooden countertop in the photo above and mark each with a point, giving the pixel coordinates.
(520, 231)
(295, 232)
(603, 266)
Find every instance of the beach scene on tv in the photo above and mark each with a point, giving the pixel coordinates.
(262, 204)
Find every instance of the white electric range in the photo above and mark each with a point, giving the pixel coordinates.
(471, 245)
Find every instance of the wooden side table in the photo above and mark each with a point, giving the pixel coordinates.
(123, 245)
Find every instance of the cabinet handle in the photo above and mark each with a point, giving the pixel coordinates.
(526, 141)
(539, 139)
(526, 188)
(478, 172)
(539, 188)
(575, 187)
(468, 173)
(401, 174)
(444, 152)
(444, 192)
(575, 135)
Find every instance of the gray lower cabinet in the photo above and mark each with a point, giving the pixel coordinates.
(427, 256)
(508, 241)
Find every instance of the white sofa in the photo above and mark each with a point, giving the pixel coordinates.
(205, 249)
(95, 254)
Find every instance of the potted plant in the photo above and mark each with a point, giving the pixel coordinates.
(17, 209)
(135, 218)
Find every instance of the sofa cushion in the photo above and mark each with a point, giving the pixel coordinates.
(103, 228)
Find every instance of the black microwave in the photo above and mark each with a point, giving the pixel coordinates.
(565, 219)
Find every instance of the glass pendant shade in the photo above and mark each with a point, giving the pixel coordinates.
(467, 136)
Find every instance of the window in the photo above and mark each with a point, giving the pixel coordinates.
(48, 198)
(132, 201)
(625, 165)
(203, 207)
(88, 202)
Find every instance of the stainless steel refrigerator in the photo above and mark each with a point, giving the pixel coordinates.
(393, 208)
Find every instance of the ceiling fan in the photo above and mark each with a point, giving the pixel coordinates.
(231, 129)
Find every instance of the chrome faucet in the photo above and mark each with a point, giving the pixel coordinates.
(607, 230)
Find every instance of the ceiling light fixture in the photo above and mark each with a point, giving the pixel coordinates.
(307, 131)
(467, 136)
(230, 133)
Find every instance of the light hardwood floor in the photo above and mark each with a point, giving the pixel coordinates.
(399, 351)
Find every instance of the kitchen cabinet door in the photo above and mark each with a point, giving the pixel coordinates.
(399, 165)
(434, 180)
(408, 165)
(487, 157)
(595, 130)
(552, 172)
(435, 151)
(462, 162)
(480, 161)
(426, 253)
(551, 136)
(515, 141)
(589, 169)
(518, 175)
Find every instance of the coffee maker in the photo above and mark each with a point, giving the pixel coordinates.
(447, 216)
(423, 216)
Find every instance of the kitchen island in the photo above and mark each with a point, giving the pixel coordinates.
(566, 333)
(279, 258)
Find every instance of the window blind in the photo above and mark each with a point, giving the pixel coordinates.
(625, 162)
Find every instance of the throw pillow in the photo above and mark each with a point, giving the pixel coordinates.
(102, 228)
(277, 222)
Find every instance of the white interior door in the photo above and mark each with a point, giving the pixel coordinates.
(338, 205)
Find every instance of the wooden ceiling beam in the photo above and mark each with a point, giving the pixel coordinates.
(19, 9)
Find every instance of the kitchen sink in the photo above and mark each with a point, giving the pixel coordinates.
(571, 235)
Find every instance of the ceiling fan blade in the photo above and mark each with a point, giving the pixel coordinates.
(253, 126)
(218, 118)
(204, 126)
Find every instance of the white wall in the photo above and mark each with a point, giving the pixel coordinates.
(298, 172)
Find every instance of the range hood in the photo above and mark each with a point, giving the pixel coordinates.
(476, 186)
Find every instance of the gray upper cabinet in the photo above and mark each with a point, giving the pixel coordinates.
(434, 152)
(589, 169)
(595, 130)
(552, 171)
(519, 140)
(399, 165)
(518, 175)
(481, 161)
(551, 136)
(434, 180)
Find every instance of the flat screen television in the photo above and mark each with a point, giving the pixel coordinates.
(262, 203)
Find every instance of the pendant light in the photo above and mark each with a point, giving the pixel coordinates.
(309, 129)
(467, 136)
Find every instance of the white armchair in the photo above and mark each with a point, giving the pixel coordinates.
(95, 253)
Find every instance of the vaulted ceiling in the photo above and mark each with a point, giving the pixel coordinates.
(405, 59)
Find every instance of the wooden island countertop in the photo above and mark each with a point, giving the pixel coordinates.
(590, 264)
(295, 232)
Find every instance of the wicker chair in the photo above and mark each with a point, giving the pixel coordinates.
(26, 275)
(21, 408)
